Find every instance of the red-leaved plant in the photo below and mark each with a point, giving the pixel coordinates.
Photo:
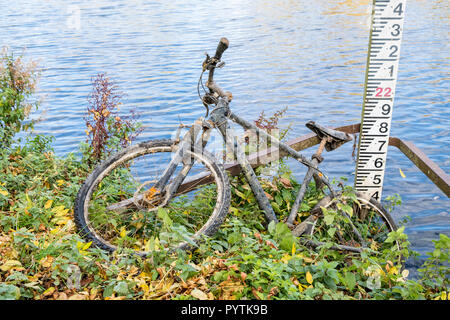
(106, 130)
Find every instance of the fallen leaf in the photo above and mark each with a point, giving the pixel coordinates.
(199, 294)
(48, 204)
(77, 296)
(401, 173)
(49, 291)
(123, 232)
(309, 277)
(62, 296)
(268, 195)
(286, 182)
(258, 236)
(46, 262)
(257, 294)
(8, 265)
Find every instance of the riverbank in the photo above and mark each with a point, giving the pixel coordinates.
(42, 256)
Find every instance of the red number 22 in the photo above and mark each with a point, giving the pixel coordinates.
(387, 92)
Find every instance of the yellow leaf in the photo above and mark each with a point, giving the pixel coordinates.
(293, 249)
(48, 204)
(302, 287)
(60, 210)
(123, 232)
(8, 265)
(46, 262)
(29, 203)
(87, 245)
(286, 258)
(4, 192)
(93, 293)
(306, 259)
(393, 270)
(144, 287)
(49, 291)
(309, 277)
(401, 173)
(443, 295)
(59, 182)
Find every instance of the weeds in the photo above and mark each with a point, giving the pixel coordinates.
(18, 79)
(43, 257)
(106, 131)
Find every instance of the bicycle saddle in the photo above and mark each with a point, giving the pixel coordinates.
(335, 138)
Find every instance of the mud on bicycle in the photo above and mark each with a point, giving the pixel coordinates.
(172, 193)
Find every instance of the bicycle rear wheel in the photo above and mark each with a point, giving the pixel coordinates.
(351, 221)
(118, 206)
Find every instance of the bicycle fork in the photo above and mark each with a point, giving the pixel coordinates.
(181, 156)
(220, 120)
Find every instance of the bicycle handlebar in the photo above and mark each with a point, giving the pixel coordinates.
(223, 45)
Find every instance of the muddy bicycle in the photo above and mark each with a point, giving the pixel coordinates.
(172, 193)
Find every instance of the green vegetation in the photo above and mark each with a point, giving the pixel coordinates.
(43, 257)
(18, 80)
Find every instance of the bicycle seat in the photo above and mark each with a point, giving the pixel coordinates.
(335, 138)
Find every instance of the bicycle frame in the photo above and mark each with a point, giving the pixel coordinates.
(219, 119)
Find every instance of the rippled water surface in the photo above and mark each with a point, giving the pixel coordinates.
(307, 55)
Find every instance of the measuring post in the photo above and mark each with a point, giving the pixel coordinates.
(381, 77)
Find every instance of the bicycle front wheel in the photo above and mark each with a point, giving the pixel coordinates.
(119, 207)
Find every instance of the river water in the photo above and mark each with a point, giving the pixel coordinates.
(308, 56)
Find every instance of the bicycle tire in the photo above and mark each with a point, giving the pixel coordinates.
(81, 211)
(310, 225)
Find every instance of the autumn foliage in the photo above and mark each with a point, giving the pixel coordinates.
(43, 257)
(106, 130)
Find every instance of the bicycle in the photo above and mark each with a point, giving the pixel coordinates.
(184, 194)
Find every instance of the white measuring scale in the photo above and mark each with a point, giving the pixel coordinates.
(379, 92)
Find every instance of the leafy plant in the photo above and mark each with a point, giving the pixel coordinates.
(18, 79)
(435, 270)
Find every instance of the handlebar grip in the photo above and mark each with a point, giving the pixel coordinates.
(223, 45)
